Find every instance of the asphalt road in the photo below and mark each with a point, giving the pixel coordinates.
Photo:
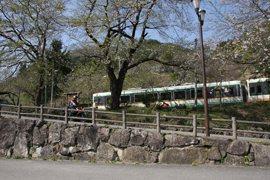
(23, 169)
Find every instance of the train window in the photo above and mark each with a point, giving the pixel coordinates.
(259, 89)
(199, 93)
(252, 90)
(124, 99)
(180, 95)
(230, 90)
(165, 96)
(152, 97)
(139, 97)
(217, 93)
(98, 101)
(108, 99)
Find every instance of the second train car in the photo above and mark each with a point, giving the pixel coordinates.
(230, 92)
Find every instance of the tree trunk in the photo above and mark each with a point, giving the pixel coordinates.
(38, 96)
(116, 85)
(39, 91)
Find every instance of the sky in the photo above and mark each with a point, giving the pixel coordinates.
(188, 36)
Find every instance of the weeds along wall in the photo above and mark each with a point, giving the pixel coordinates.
(37, 139)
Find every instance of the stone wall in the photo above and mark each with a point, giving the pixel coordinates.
(24, 138)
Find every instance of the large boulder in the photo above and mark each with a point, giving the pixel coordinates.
(25, 125)
(138, 154)
(214, 141)
(214, 154)
(104, 134)
(5, 152)
(38, 138)
(174, 140)
(85, 156)
(234, 160)
(74, 150)
(69, 136)
(54, 133)
(120, 138)
(88, 138)
(155, 141)
(239, 148)
(138, 137)
(37, 152)
(64, 150)
(22, 144)
(105, 152)
(187, 155)
(262, 154)
(222, 143)
(48, 151)
(44, 131)
(8, 131)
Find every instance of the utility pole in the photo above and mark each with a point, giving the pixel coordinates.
(196, 78)
(52, 86)
(46, 74)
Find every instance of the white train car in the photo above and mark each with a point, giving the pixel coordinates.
(258, 90)
(176, 95)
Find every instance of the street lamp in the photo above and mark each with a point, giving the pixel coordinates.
(200, 13)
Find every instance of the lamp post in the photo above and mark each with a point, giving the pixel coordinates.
(200, 13)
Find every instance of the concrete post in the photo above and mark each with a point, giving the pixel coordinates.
(19, 111)
(93, 116)
(158, 122)
(41, 112)
(124, 119)
(66, 115)
(194, 126)
(234, 128)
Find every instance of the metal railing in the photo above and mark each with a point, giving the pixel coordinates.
(38, 113)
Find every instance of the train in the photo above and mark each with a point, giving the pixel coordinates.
(253, 90)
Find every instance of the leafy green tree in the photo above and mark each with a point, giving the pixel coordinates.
(59, 65)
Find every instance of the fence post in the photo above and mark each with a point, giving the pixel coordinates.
(194, 126)
(124, 119)
(158, 122)
(41, 112)
(93, 116)
(66, 115)
(234, 128)
(19, 111)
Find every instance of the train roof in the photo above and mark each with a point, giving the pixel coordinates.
(257, 80)
(169, 88)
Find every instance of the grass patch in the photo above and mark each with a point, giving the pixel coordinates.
(33, 149)
(260, 142)
(92, 161)
(17, 157)
(193, 164)
(28, 157)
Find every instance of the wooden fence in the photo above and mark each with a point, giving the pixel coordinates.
(65, 118)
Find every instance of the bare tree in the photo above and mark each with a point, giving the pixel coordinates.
(119, 29)
(234, 17)
(26, 27)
